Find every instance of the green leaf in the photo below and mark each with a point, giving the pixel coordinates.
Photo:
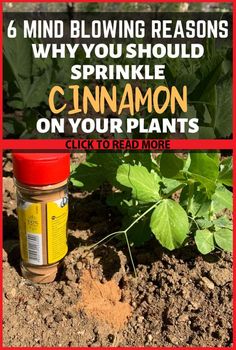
(208, 74)
(13, 126)
(88, 176)
(188, 79)
(203, 223)
(170, 75)
(73, 167)
(222, 199)
(138, 234)
(170, 185)
(9, 127)
(144, 159)
(226, 172)
(223, 222)
(206, 133)
(199, 204)
(224, 239)
(205, 241)
(204, 170)
(32, 83)
(191, 113)
(223, 118)
(204, 164)
(187, 163)
(211, 103)
(126, 206)
(37, 92)
(76, 182)
(98, 168)
(170, 164)
(215, 156)
(144, 185)
(114, 199)
(169, 223)
(108, 164)
(18, 54)
(15, 100)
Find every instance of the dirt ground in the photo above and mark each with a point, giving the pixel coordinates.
(178, 299)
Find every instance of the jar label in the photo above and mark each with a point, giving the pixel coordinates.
(43, 231)
(57, 214)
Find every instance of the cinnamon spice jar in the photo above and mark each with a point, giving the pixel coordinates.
(42, 208)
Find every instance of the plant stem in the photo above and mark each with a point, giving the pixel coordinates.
(105, 238)
(130, 254)
(211, 215)
(113, 234)
(174, 190)
(194, 222)
(190, 195)
(141, 216)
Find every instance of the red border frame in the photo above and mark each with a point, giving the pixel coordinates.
(81, 1)
(175, 144)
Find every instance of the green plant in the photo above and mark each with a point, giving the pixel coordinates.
(145, 187)
(27, 82)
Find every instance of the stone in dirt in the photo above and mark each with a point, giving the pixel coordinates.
(208, 283)
(221, 276)
(102, 301)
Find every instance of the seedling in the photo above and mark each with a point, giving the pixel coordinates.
(145, 190)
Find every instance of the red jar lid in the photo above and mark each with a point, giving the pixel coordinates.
(41, 168)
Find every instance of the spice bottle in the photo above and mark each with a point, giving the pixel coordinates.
(42, 208)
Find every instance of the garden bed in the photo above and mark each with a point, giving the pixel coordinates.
(179, 298)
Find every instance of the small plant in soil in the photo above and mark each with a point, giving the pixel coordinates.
(176, 198)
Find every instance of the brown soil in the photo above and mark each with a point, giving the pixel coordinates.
(101, 301)
(178, 299)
